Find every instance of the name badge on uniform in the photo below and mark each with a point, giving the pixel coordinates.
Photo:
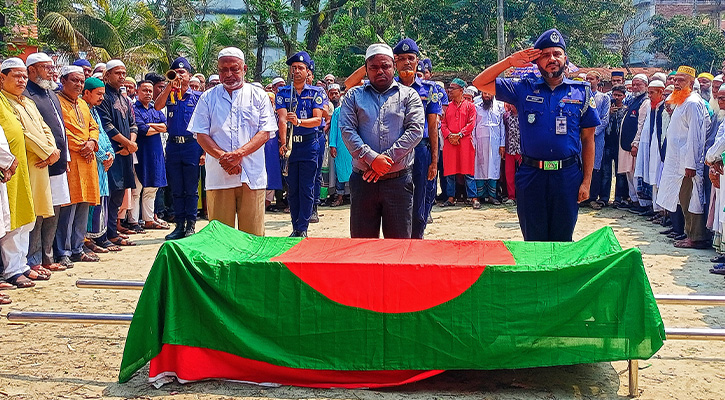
(535, 99)
(531, 118)
(561, 125)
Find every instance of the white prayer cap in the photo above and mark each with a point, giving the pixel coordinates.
(641, 77)
(660, 76)
(12, 62)
(100, 65)
(656, 83)
(36, 58)
(379, 48)
(472, 89)
(718, 78)
(257, 84)
(583, 76)
(69, 69)
(213, 77)
(97, 75)
(113, 64)
(194, 79)
(329, 76)
(469, 92)
(231, 52)
(333, 86)
(628, 82)
(277, 80)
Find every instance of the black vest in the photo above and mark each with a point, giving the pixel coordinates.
(48, 105)
(655, 127)
(630, 122)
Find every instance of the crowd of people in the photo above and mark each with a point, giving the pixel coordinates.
(90, 156)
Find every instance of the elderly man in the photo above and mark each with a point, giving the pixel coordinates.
(232, 122)
(183, 153)
(489, 142)
(40, 90)
(119, 124)
(652, 140)
(381, 123)
(637, 105)
(681, 181)
(603, 103)
(151, 169)
(300, 108)
(713, 158)
(705, 81)
(557, 119)
(82, 172)
(213, 81)
(38, 153)
(459, 154)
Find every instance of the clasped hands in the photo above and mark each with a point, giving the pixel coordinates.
(52, 159)
(381, 165)
(231, 162)
(129, 148)
(9, 172)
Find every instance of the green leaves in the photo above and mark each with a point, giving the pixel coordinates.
(687, 41)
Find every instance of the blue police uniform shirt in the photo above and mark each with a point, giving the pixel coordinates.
(443, 95)
(325, 101)
(539, 107)
(179, 113)
(430, 96)
(309, 99)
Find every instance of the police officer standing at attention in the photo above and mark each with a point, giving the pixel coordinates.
(183, 153)
(426, 152)
(557, 118)
(300, 105)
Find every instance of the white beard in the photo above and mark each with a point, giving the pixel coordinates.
(46, 84)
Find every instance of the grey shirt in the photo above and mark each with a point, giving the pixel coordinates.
(389, 123)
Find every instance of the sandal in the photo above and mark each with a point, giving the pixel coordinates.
(5, 299)
(84, 257)
(54, 267)
(161, 222)
(40, 269)
(720, 258)
(718, 269)
(476, 204)
(20, 281)
(136, 228)
(92, 246)
(6, 286)
(39, 276)
(122, 242)
(152, 225)
(108, 245)
(125, 231)
(448, 203)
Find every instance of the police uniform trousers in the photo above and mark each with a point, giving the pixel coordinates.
(422, 200)
(182, 173)
(301, 179)
(547, 202)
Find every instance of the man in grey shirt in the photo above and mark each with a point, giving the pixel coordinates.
(381, 123)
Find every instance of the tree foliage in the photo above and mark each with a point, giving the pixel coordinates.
(687, 41)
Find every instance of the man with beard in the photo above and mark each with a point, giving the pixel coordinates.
(682, 173)
(339, 155)
(277, 83)
(652, 140)
(489, 143)
(637, 106)
(40, 89)
(232, 123)
(118, 122)
(713, 158)
(301, 105)
(603, 103)
(381, 123)
(183, 153)
(557, 119)
(705, 81)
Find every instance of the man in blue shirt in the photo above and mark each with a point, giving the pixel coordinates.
(558, 117)
(299, 107)
(183, 153)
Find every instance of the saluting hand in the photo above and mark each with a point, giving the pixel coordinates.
(523, 57)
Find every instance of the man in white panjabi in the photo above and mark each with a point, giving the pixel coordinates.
(489, 144)
(632, 124)
(681, 182)
(713, 158)
(652, 141)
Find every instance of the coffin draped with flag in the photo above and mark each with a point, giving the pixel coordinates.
(370, 313)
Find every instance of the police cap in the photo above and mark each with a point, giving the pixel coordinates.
(302, 57)
(550, 38)
(181, 62)
(406, 46)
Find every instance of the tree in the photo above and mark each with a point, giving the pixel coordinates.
(17, 23)
(687, 41)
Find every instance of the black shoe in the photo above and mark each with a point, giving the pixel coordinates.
(648, 213)
(681, 236)
(298, 234)
(314, 218)
(637, 209)
(178, 232)
(667, 231)
(190, 228)
(65, 261)
(720, 258)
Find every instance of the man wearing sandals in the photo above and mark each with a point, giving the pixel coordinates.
(82, 171)
(14, 245)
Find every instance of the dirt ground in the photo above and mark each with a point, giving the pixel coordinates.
(70, 361)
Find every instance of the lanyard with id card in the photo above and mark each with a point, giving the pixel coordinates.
(561, 125)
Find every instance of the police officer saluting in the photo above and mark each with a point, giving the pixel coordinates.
(301, 105)
(557, 118)
(183, 153)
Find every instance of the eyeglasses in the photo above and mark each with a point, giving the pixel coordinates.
(721, 98)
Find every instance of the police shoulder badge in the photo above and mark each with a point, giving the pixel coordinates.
(592, 104)
(280, 100)
(318, 100)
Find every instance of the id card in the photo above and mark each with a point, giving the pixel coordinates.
(561, 125)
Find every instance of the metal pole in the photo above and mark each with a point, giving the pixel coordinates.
(500, 38)
(691, 299)
(694, 334)
(69, 317)
(633, 378)
(109, 284)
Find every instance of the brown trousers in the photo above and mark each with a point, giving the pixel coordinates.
(240, 206)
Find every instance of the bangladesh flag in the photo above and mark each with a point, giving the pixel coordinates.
(370, 312)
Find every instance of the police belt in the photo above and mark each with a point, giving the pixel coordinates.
(390, 175)
(181, 139)
(553, 165)
(303, 138)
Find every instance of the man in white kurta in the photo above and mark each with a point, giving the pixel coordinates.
(637, 105)
(681, 181)
(232, 122)
(7, 167)
(713, 158)
(489, 144)
(652, 141)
